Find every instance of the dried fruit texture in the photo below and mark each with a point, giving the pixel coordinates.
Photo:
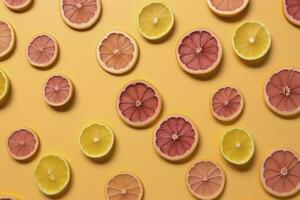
(7, 38)
(206, 180)
(227, 5)
(282, 92)
(17, 5)
(280, 173)
(291, 10)
(175, 138)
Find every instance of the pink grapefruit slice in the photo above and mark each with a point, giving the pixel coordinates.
(227, 104)
(7, 38)
(42, 51)
(17, 5)
(7, 198)
(58, 90)
(117, 52)
(282, 92)
(80, 14)
(205, 180)
(280, 173)
(291, 9)
(139, 103)
(175, 138)
(22, 144)
(199, 52)
(227, 8)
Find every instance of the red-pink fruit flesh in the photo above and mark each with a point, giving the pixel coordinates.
(291, 10)
(7, 38)
(199, 51)
(227, 5)
(22, 144)
(282, 92)
(175, 138)
(139, 103)
(280, 173)
(17, 5)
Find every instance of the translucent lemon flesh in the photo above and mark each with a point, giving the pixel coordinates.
(3, 85)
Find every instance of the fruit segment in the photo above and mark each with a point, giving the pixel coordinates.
(227, 8)
(4, 86)
(17, 5)
(291, 10)
(7, 38)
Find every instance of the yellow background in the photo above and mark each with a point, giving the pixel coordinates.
(96, 92)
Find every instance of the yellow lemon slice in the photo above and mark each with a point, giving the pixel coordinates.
(4, 86)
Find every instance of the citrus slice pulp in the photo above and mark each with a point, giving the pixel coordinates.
(7, 38)
(227, 8)
(291, 9)
(17, 5)
(4, 86)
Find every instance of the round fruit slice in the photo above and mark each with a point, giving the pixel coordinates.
(42, 51)
(155, 21)
(7, 198)
(7, 38)
(205, 180)
(80, 14)
(199, 51)
(52, 174)
(117, 52)
(282, 92)
(58, 90)
(124, 186)
(227, 8)
(280, 173)
(251, 40)
(22, 144)
(4, 86)
(175, 138)
(291, 9)
(139, 103)
(237, 146)
(17, 5)
(96, 140)
(227, 104)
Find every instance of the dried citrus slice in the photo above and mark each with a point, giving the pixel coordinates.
(282, 92)
(155, 21)
(42, 51)
(17, 5)
(7, 38)
(139, 103)
(22, 144)
(52, 174)
(58, 90)
(227, 104)
(251, 40)
(124, 186)
(291, 9)
(117, 52)
(199, 51)
(4, 86)
(175, 138)
(227, 8)
(237, 146)
(205, 180)
(80, 14)
(280, 173)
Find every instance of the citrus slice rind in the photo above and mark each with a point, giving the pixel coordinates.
(117, 52)
(237, 146)
(22, 144)
(227, 8)
(227, 104)
(17, 5)
(139, 103)
(280, 173)
(58, 90)
(80, 14)
(175, 138)
(155, 21)
(124, 185)
(52, 175)
(7, 197)
(96, 140)
(282, 92)
(7, 38)
(251, 40)
(291, 9)
(42, 51)
(199, 51)
(4, 86)
(205, 180)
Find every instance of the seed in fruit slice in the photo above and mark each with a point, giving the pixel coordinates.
(58, 90)
(237, 146)
(291, 9)
(155, 21)
(124, 186)
(7, 198)
(280, 173)
(7, 38)
(42, 51)
(4, 86)
(199, 51)
(251, 40)
(117, 52)
(175, 138)
(227, 8)
(52, 174)
(80, 14)
(227, 104)
(205, 180)
(22, 144)
(17, 5)
(282, 92)
(139, 103)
